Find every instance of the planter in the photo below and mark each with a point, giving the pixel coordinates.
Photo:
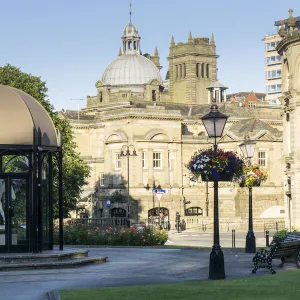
(216, 176)
(255, 183)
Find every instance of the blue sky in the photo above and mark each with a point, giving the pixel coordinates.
(69, 43)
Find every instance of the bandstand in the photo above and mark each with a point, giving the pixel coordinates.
(30, 174)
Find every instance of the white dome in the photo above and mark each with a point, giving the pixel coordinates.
(130, 69)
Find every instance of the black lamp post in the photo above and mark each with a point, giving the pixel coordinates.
(214, 123)
(247, 147)
(127, 151)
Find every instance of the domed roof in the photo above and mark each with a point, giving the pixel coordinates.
(130, 69)
(20, 116)
(130, 30)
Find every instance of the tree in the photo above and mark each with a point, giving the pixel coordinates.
(75, 171)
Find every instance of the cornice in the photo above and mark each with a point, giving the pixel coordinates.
(287, 40)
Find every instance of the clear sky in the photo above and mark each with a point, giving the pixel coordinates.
(69, 43)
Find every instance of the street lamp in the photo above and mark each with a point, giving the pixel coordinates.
(127, 151)
(247, 147)
(214, 123)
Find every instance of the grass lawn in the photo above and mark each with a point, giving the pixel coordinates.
(283, 286)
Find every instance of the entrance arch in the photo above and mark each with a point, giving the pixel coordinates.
(159, 216)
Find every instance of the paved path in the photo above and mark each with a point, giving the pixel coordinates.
(125, 266)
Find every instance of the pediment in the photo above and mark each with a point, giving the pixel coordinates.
(265, 137)
(227, 138)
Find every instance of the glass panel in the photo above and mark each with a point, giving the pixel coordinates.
(18, 214)
(45, 200)
(2, 210)
(15, 164)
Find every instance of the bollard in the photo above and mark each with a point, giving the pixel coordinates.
(233, 238)
(267, 238)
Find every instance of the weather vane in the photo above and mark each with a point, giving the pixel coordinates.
(130, 12)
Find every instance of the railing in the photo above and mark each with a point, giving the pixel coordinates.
(164, 224)
(102, 222)
(274, 226)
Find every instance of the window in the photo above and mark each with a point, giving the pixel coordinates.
(101, 96)
(117, 161)
(202, 70)
(274, 88)
(197, 69)
(184, 70)
(194, 211)
(262, 158)
(273, 73)
(176, 72)
(273, 59)
(153, 95)
(207, 70)
(157, 163)
(180, 71)
(252, 104)
(102, 179)
(272, 45)
(144, 159)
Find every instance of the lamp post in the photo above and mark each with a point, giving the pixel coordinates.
(247, 147)
(127, 151)
(214, 123)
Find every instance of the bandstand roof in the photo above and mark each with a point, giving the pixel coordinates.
(20, 116)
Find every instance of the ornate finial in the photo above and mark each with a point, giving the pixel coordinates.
(291, 21)
(130, 12)
(120, 52)
(282, 31)
(212, 39)
(155, 52)
(190, 38)
(172, 41)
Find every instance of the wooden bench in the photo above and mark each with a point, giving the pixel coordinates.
(288, 249)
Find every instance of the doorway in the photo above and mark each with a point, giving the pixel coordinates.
(14, 212)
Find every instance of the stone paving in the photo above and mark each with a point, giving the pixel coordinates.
(126, 266)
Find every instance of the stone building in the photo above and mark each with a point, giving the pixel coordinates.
(289, 49)
(135, 110)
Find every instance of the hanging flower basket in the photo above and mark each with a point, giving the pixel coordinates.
(216, 166)
(217, 176)
(253, 176)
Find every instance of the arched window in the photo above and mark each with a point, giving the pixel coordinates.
(129, 45)
(101, 97)
(202, 70)
(134, 45)
(197, 70)
(207, 70)
(184, 70)
(180, 68)
(194, 211)
(176, 73)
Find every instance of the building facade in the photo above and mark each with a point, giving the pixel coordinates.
(134, 111)
(289, 50)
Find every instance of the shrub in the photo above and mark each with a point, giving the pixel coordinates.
(81, 234)
(280, 235)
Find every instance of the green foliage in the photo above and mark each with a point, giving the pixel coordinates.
(81, 234)
(75, 171)
(280, 235)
